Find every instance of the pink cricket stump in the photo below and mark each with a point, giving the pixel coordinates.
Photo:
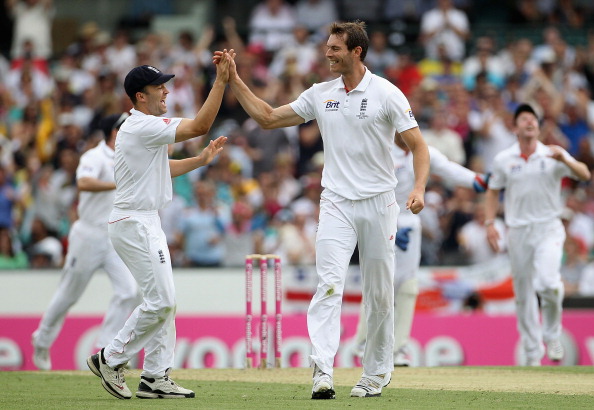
(263, 315)
(249, 268)
(278, 299)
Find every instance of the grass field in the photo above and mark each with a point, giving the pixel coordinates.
(411, 388)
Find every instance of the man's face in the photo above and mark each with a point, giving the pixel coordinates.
(527, 125)
(340, 58)
(155, 96)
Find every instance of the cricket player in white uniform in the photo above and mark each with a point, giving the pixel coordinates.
(95, 181)
(143, 175)
(531, 174)
(358, 114)
(408, 241)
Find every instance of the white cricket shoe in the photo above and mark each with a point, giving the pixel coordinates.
(402, 358)
(371, 386)
(112, 379)
(162, 388)
(41, 358)
(555, 350)
(323, 386)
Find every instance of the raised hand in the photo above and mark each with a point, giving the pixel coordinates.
(213, 149)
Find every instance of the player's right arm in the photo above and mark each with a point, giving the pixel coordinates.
(200, 125)
(491, 206)
(266, 116)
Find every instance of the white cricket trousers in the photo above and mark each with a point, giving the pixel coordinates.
(405, 285)
(89, 249)
(139, 240)
(370, 223)
(535, 253)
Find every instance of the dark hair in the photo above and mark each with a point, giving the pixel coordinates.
(354, 35)
(524, 108)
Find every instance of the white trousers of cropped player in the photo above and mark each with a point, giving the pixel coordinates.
(405, 285)
(139, 240)
(89, 249)
(370, 223)
(535, 253)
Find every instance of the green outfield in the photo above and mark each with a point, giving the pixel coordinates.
(414, 388)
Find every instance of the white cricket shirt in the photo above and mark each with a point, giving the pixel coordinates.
(532, 186)
(142, 174)
(94, 207)
(358, 132)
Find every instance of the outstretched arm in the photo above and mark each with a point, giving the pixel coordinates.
(418, 147)
(201, 124)
(266, 116)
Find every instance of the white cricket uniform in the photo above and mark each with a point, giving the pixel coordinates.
(82, 260)
(357, 205)
(143, 180)
(535, 239)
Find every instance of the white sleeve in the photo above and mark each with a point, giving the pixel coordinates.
(455, 174)
(399, 112)
(498, 178)
(89, 166)
(158, 131)
(304, 104)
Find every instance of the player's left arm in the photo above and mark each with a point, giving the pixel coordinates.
(578, 168)
(179, 167)
(418, 147)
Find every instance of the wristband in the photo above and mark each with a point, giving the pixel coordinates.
(489, 222)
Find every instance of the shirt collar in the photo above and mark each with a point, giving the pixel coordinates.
(362, 86)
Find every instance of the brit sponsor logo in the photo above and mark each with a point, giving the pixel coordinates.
(410, 114)
(331, 105)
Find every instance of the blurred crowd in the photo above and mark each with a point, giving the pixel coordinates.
(261, 195)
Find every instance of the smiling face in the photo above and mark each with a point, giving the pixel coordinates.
(340, 58)
(153, 97)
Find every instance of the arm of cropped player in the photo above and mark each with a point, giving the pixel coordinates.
(91, 184)
(266, 116)
(455, 173)
(418, 147)
(201, 124)
(491, 206)
(179, 167)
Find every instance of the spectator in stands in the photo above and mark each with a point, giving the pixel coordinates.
(298, 237)
(121, 55)
(201, 229)
(379, 55)
(484, 60)
(447, 26)
(296, 56)
(11, 254)
(271, 24)
(32, 22)
(472, 237)
(316, 15)
(265, 145)
(45, 250)
(242, 235)
(446, 140)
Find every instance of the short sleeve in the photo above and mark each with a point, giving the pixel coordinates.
(399, 111)
(304, 105)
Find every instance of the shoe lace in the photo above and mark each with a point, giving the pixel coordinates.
(370, 382)
(120, 375)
